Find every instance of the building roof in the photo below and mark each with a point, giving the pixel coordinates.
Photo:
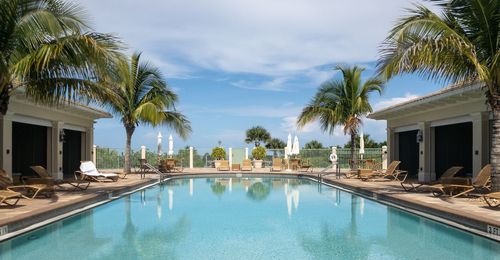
(461, 92)
(72, 107)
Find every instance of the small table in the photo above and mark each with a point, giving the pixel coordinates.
(294, 164)
(236, 167)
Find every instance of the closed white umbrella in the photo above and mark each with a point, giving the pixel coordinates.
(170, 146)
(288, 148)
(159, 139)
(295, 148)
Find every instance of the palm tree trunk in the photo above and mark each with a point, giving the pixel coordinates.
(4, 99)
(127, 165)
(353, 149)
(495, 146)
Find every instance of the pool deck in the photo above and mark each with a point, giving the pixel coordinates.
(469, 213)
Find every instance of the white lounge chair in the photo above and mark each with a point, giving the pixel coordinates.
(89, 171)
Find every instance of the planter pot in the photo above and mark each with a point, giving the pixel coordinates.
(217, 163)
(257, 164)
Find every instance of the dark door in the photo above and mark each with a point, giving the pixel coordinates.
(408, 152)
(29, 147)
(72, 152)
(453, 147)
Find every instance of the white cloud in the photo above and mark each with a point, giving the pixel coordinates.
(384, 103)
(275, 38)
(277, 84)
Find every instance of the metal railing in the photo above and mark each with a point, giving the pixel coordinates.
(113, 158)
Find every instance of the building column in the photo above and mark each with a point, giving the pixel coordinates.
(56, 151)
(424, 168)
(480, 141)
(89, 144)
(6, 143)
(391, 144)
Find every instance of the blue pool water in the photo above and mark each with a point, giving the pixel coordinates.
(247, 218)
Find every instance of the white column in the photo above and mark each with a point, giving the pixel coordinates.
(94, 154)
(6, 142)
(246, 153)
(191, 157)
(334, 162)
(230, 158)
(391, 145)
(384, 157)
(480, 141)
(57, 150)
(143, 152)
(424, 168)
(89, 144)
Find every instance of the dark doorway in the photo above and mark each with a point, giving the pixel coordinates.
(453, 147)
(29, 147)
(72, 152)
(408, 152)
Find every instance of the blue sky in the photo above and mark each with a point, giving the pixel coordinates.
(238, 64)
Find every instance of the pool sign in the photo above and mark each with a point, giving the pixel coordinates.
(4, 230)
(493, 231)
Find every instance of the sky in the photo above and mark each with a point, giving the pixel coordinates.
(239, 64)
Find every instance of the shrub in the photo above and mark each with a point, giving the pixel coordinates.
(218, 153)
(259, 152)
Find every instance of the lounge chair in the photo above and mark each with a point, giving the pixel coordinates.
(246, 165)
(449, 173)
(223, 166)
(390, 173)
(10, 197)
(88, 171)
(305, 166)
(480, 182)
(492, 199)
(46, 178)
(277, 165)
(173, 165)
(30, 190)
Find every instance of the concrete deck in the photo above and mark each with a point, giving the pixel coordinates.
(470, 212)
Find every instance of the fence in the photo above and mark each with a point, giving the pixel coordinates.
(319, 158)
(113, 158)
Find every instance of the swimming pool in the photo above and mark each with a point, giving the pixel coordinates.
(247, 218)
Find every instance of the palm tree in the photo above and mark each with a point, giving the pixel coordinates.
(256, 135)
(47, 48)
(342, 102)
(460, 44)
(139, 95)
(313, 144)
(275, 143)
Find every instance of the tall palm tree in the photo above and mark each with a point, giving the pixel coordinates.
(139, 95)
(257, 134)
(342, 102)
(460, 44)
(47, 48)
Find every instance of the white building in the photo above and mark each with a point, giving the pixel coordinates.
(447, 128)
(57, 138)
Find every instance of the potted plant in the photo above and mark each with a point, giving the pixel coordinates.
(218, 153)
(258, 154)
